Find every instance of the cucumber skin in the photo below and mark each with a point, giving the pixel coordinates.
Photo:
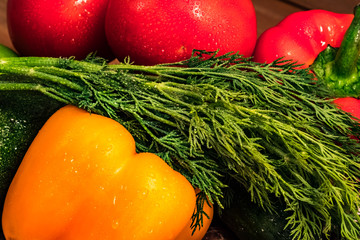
(21, 117)
(249, 221)
(22, 114)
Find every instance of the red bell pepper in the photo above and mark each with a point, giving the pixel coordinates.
(350, 105)
(326, 42)
(301, 36)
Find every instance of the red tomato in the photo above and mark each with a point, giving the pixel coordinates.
(57, 28)
(163, 31)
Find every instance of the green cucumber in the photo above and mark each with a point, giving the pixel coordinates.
(21, 117)
(249, 221)
(22, 114)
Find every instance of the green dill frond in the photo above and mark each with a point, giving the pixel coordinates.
(268, 127)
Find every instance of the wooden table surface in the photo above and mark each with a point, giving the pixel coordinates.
(269, 12)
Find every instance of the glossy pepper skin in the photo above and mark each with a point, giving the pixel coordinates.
(326, 42)
(82, 179)
(338, 68)
(301, 36)
(350, 105)
(188, 232)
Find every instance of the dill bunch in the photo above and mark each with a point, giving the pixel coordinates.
(221, 120)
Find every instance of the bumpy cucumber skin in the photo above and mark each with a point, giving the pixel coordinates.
(22, 114)
(21, 117)
(249, 221)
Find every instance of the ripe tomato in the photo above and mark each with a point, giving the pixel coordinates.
(160, 31)
(58, 27)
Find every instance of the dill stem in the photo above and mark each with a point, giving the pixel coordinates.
(8, 86)
(32, 72)
(171, 89)
(49, 62)
(216, 122)
(166, 111)
(50, 92)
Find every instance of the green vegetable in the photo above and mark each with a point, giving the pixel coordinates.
(22, 114)
(249, 221)
(7, 52)
(338, 68)
(21, 117)
(223, 119)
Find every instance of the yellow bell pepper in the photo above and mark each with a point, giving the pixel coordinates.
(82, 179)
(188, 234)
